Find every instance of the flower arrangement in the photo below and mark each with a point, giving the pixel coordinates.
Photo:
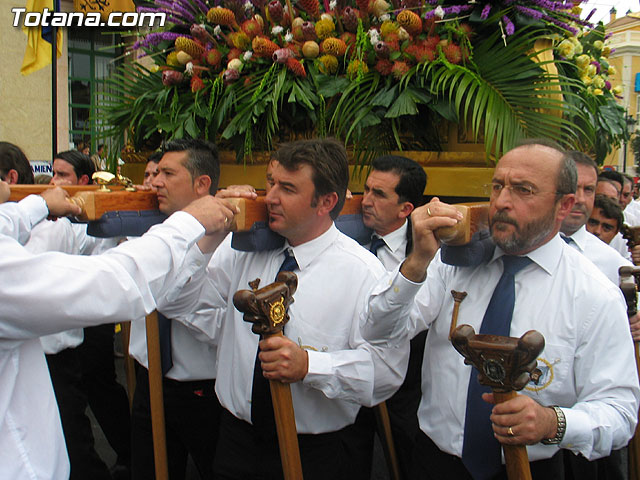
(379, 74)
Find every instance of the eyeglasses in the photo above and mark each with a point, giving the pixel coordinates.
(521, 191)
(606, 227)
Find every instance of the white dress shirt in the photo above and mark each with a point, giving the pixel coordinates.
(619, 244)
(334, 279)
(63, 236)
(394, 250)
(631, 216)
(42, 294)
(601, 255)
(193, 354)
(588, 363)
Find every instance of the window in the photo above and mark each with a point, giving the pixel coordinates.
(92, 58)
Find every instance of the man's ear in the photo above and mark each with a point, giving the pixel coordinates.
(326, 203)
(12, 177)
(407, 208)
(84, 180)
(565, 205)
(201, 185)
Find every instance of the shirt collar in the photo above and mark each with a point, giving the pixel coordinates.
(580, 238)
(307, 252)
(396, 239)
(546, 256)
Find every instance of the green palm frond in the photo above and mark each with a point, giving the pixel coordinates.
(505, 94)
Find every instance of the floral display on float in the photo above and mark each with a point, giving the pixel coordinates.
(380, 75)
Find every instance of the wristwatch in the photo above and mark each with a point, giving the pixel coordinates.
(560, 430)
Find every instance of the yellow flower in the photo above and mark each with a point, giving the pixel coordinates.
(598, 82)
(172, 59)
(598, 45)
(586, 80)
(617, 90)
(567, 49)
(606, 51)
(155, 68)
(355, 67)
(597, 91)
(582, 61)
(328, 64)
(324, 28)
(612, 70)
(592, 70)
(388, 27)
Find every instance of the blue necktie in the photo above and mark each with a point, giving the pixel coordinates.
(481, 452)
(376, 243)
(568, 240)
(261, 403)
(164, 332)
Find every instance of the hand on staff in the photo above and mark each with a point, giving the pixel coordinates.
(425, 220)
(282, 359)
(635, 255)
(237, 191)
(59, 204)
(5, 191)
(634, 324)
(521, 420)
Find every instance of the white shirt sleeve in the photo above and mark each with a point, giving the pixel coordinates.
(17, 219)
(62, 288)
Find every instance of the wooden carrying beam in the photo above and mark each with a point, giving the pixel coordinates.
(95, 203)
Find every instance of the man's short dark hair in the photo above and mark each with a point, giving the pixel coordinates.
(328, 159)
(627, 179)
(413, 179)
(155, 157)
(202, 158)
(12, 158)
(583, 159)
(610, 209)
(613, 176)
(81, 163)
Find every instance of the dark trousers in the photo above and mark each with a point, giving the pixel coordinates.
(608, 468)
(65, 371)
(107, 398)
(431, 463)
(244, 453)
(403, 415)
(192, 416)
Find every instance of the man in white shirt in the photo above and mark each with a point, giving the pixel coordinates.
(188, 170)
(630, 214)
(394, 187)
(81, 361)
(331, 369)
(587, 397)
(608, 261)
(134, 275)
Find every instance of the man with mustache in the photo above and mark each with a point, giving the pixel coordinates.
(586, 399)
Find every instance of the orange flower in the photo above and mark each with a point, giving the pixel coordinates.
(333, 46)
(222, 16)
(410, 21)
(296, 67)
(263, 47)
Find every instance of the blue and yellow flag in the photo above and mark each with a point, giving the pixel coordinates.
(104, 7)
(38, 53)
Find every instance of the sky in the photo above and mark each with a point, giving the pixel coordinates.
(603, 6)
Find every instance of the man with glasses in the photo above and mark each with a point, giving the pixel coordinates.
(586, 399)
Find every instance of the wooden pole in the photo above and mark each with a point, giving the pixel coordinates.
(156, 399)
(384, 426)
(286, 427)
(634, 444)
(515, 456)
(129, 371)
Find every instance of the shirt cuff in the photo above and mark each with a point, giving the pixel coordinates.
(320, 365)
(35, 208)
(578, 436)
(187, 224)
(401, 289)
